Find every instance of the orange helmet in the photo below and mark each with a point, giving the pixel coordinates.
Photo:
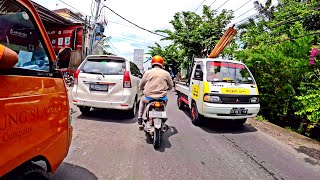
(157, 60)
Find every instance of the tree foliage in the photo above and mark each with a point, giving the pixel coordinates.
(276, 48)
(173, 55)
(198, 34)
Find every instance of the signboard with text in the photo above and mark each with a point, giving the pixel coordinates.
(63, 37)
(138, 57)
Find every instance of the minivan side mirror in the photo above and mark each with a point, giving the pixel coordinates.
(8, 58)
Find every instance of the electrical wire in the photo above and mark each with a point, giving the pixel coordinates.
(212, 3)
(73, 7)
(242, 5)
(245, 13)
(114, 47)
(222, 5)
(199, 6)
(294, 38)
(132, 41)
(133, 23)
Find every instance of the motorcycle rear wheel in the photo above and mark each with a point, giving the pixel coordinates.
(157, 138)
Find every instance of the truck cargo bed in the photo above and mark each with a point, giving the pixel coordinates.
(182, 87)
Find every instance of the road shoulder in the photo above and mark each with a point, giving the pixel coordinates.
(300, 143)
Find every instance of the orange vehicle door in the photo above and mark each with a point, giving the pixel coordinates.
(34, 107)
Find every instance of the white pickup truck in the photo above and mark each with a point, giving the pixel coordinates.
(219, 89)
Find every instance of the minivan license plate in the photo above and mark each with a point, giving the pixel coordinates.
(98, 87)
(238, 111)
(157, 114)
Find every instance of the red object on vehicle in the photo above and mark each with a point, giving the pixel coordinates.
(126, 80)
(76, 75)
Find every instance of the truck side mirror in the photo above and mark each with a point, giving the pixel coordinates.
(8, 58)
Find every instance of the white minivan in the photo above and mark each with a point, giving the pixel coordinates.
(108, 82)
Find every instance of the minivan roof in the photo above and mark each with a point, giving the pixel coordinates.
(105, 57)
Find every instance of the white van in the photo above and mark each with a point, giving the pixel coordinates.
(108, 82)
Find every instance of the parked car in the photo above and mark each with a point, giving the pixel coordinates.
(108, 82)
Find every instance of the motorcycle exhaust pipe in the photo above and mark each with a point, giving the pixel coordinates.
(164, 128)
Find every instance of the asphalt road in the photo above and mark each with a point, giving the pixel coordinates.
(108, 145)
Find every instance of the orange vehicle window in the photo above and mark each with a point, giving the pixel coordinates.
(19, 34)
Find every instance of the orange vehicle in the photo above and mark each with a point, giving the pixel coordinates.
(35, 121)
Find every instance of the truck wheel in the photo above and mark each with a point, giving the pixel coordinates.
(84, 110)
(195, 116)
(29, 172)
(239, 122)
(180, 103)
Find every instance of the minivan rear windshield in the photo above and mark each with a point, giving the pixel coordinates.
(104, 66)
(218, 71)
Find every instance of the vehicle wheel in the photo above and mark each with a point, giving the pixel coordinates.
(180, 103)
(239, 122)
(133, 111)
(29, 172)
(157, 138)
(195, 116)
(84, 110)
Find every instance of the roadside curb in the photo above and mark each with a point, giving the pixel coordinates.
(291, 133)
(301, 143)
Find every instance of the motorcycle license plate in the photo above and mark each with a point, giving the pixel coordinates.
(157, 114)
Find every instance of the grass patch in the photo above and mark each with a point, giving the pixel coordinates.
(293, 129)
(261, 118)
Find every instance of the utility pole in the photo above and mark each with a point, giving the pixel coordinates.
(93, 37)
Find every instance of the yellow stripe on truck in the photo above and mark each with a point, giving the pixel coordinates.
(195, 92)
(235, 91)
(206, 90)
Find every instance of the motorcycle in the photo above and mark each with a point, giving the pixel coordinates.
(68, 77)
(154, 125)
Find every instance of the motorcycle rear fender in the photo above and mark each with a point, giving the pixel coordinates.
(157, 123)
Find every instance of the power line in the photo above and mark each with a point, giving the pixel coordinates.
(133, 41)
(114, 47)
(222, 5)
(294, 38)
(199, 6)
(123, 24)
(112, 50)
(212, 3)
(246, 18)
(242, 5)
(73, 7)
(132, 22)
(245, 13)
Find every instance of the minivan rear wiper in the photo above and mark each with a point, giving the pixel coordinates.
(102, 74)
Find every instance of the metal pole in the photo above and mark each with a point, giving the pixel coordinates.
(93, 37)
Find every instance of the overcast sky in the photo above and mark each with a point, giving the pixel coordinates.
(150, 14)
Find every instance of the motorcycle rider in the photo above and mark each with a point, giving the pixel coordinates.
(155, 83)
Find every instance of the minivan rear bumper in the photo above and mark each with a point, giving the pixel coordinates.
(125, 105)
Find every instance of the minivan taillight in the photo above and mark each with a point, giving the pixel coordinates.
(126, 80)
(76, 75)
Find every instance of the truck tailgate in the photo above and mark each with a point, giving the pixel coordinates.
(182, 88)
